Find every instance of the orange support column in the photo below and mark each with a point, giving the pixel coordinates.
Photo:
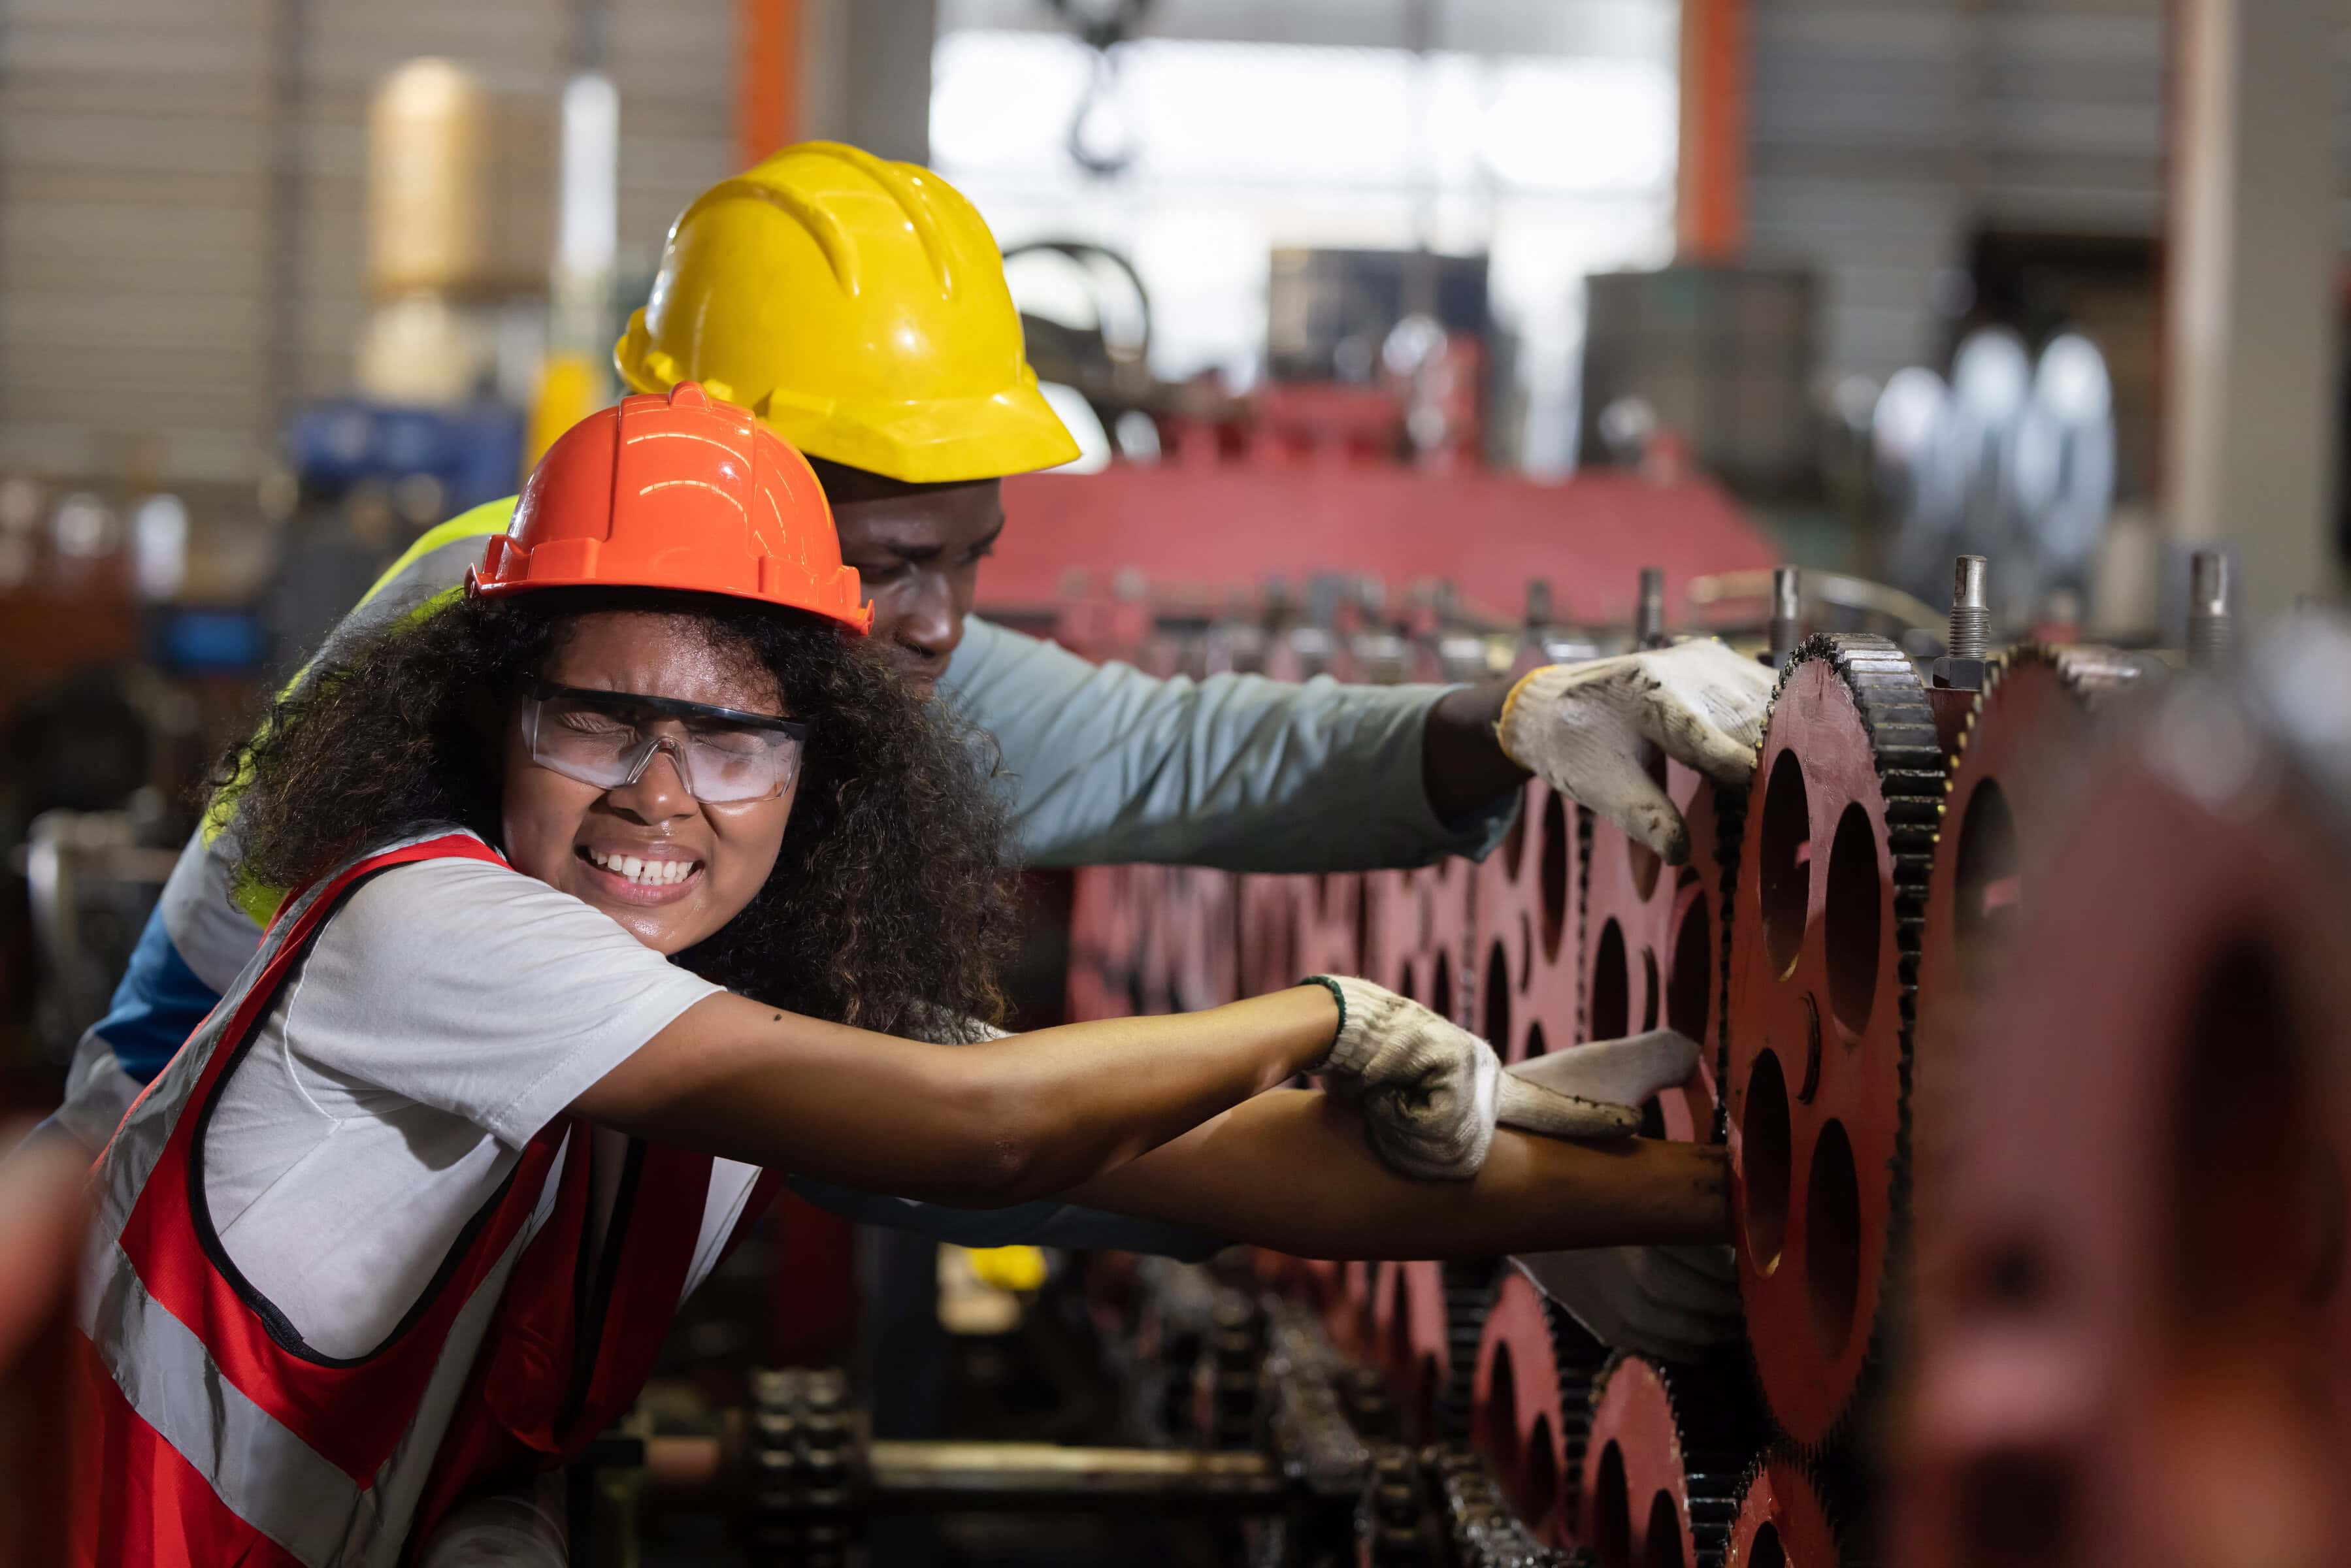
(1711, 193)
(767, 92)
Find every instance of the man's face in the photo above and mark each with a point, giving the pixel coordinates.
(917, 550)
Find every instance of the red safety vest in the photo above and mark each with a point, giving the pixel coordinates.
(212, 1435)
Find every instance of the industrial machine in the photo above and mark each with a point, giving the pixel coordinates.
(2018, 972)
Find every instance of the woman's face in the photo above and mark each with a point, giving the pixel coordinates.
(567, 833)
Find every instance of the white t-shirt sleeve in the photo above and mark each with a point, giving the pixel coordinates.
(480, 991)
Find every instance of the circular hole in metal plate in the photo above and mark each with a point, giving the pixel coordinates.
(1852, 919)
(1558, 836)
(1494, 999)
(1662, 1546)
(1610, 1011)
(1833, 1237)
(1766, 1140)
(1985, 899)
(1689, 985)
(1612, 1512)
(1785, 877)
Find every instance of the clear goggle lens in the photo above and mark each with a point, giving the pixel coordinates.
(610, 738)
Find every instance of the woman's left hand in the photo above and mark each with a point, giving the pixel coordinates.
(1431, 1093)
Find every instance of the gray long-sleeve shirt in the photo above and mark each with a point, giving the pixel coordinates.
(1111, 764)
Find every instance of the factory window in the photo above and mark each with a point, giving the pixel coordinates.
(1211, 154)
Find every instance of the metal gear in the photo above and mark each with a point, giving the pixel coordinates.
(804, 1439)
(1530, 1404)
(1839, 835)
(1273, 915)
(1413, 924)
(1470, 1288)
(1413, 1345)
(1331, 939)
(2004, 800)
(1652, 948)
(1485, 1532)
(1663, 1464)
(1527, 900)
(1784, 1519)
(2142, 1320)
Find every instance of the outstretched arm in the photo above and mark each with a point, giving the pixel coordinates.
(1290, 1170)
(978, 1125)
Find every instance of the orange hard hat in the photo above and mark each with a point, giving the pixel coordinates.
(676, 491)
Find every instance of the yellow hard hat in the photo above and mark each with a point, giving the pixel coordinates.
(859, 307)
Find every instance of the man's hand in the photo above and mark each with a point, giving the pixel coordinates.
(1582, 729)
(1430, 1093)
(1673, 1303)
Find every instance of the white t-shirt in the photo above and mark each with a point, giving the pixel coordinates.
(448, 1012)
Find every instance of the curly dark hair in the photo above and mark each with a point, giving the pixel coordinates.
(888, 907)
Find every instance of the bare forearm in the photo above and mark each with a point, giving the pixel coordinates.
(1290, 1170)
(1462, 765)
(980, 1124)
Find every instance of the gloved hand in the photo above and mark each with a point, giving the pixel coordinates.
(1673, 1303)
(1581, 727)
(1430, 1093)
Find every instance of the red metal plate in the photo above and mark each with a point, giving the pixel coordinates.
(1633, 1504)
(1416, 925)
(1526, 900)
(1518, 1419)
(1408, 1322)
(1815, 1049)
(1782, 1522)
(2133, 1352)
(1652, 944)
(2002, 815)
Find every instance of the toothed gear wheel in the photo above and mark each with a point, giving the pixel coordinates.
(1840, 832)
(1653, 949)
(1470, 1290)
(1787, 1519)
(2004, 800)
(2144, 1297)
(1525, 903)
(1426, 1317)
(1668, 1448)
(1483, 1530)
(1530, 1404)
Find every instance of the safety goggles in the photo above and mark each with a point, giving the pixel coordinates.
(608, 739)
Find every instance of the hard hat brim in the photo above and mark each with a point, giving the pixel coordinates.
(932, 441)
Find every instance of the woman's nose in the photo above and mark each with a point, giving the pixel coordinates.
(659, 792)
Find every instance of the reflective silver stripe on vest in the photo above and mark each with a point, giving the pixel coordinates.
(263, 1472)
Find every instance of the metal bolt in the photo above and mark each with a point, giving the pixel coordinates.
(2211, 627)
(1786, 609)
(1539, 602)
(1649, 619)
(1970, 612)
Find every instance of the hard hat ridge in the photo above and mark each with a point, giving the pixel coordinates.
(859, 307)
(676, 491)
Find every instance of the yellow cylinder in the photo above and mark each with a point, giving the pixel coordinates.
(429, 134)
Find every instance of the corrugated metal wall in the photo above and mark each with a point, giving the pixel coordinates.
(1884, 131)
(153, 151)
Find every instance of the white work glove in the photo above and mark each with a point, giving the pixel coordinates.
(1430, 1093)
(1671, 1303)
(1581, 729)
